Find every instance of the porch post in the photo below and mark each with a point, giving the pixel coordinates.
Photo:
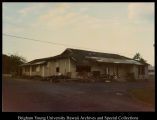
(30, 71)
(69, 65)
(43, 71)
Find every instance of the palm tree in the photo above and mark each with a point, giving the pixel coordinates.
(142, 60)
(137, 56)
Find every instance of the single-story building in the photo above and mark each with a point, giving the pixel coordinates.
(151, 72)
(77, 63)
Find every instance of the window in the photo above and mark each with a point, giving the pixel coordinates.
(57, 69)
(80, 68)
(26, 69)
(33, 68)
(141, 70)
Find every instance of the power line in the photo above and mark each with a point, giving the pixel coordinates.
(54, 43)
(31, 39)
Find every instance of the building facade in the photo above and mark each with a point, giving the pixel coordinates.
(80, 64)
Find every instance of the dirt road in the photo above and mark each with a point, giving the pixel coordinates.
(38, 96)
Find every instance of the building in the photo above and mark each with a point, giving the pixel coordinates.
(77, 63)
(151, 72)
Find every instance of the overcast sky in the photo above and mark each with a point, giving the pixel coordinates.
(121, 28)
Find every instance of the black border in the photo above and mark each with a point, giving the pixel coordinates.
(140, 115)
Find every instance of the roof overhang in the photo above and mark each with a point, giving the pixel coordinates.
(113, 60)
(35, 63)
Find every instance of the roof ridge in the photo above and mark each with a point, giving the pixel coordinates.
(84, 53)
(98, 52)
(91, 51)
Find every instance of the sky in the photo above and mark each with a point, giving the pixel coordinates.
(120, 28)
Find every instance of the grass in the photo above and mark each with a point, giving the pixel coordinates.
(146, 95)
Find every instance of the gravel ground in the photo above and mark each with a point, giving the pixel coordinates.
(37, 96)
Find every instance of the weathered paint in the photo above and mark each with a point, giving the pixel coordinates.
(67, 66)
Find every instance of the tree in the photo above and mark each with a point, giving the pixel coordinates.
(5, 64)
(15, 61)
(142, 60)
(11, 65)
(138, 57)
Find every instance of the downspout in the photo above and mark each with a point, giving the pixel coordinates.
(69, 65)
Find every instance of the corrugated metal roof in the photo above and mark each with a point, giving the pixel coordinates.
(80, 55)
(35, 63)
(38, 63)
(25, 64)
(112, 60)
